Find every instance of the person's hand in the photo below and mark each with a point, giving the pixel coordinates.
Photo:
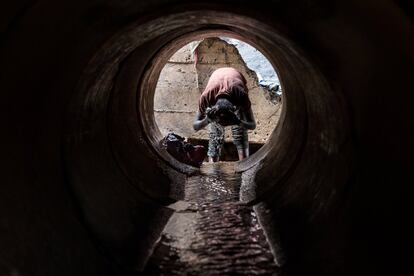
(211, 113)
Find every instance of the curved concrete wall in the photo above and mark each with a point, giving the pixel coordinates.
(84, 183)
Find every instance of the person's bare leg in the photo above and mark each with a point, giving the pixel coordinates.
(241, 141)
(243, 153)
(213, 159)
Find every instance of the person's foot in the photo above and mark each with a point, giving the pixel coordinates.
(213, 159)
(243, 154)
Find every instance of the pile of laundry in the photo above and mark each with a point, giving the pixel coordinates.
(183, 151)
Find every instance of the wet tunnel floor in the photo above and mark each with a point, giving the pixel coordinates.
(211, 231)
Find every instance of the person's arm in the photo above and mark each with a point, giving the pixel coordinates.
(201, 121)
(247, 119)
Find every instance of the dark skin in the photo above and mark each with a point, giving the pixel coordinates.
(226, 118)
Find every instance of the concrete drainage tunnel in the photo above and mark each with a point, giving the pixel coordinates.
(86, 188)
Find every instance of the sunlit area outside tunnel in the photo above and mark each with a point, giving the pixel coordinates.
(184, 78)
(211, 232)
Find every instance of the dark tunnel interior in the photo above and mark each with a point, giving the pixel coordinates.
(86, 187)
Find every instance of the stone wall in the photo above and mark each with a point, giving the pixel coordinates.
(181, 82)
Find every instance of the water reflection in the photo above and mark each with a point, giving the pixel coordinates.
(215, 234)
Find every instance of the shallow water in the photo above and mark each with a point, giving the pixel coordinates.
(212, 232)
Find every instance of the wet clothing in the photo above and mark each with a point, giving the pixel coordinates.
(183, 151)
(226, 82)
(216, 138)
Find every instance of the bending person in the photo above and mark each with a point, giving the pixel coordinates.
(225, 102)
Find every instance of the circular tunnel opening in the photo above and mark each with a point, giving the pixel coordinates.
(115, 103)
(274, 53)
(184, 77)
(115, 138)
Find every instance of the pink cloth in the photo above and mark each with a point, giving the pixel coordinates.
(229, 82)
